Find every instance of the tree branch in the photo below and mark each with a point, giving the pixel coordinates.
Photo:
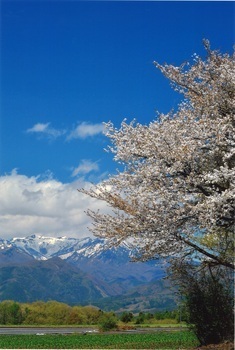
(206, 253)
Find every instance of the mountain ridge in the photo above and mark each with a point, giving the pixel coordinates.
(51, 279)
(43, 247)
(104, 273)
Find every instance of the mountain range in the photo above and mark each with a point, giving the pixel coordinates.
(81, 271)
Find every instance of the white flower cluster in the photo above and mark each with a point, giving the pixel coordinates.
(176, 194)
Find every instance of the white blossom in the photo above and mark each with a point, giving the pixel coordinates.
(176, 194)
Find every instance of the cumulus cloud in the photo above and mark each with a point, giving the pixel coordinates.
(85, 167)
(46, 130)
(85, 130)
(29, 205)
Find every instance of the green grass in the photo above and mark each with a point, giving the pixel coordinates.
(161, 340)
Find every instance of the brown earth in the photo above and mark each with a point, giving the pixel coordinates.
(222, 346)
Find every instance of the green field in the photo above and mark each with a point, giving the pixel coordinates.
(161, 340)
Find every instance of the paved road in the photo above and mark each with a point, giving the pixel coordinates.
(45, 330)
(71, 330)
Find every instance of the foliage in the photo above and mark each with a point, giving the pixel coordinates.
(211, 312)
(56, 313)
(158, 318)
(10, 312)
(126, 317)
(161, 340)
(175, 196)
(108, 321)
(209, 303)
(140, 319)
(167, 314)
(47, 313)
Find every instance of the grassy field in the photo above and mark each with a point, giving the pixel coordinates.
(161, 340)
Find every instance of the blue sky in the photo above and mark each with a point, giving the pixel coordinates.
(69, 66)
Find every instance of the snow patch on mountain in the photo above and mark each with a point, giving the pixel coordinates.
(43, 248)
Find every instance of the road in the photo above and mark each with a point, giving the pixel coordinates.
(80, 330)
(46, 330)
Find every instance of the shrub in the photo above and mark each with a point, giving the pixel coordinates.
(126, 317)
(208, 302)
(210, 309)
(10, 312)
(107, 322)
(140, 318)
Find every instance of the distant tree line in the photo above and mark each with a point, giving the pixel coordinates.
(57, 313)
(46, 313)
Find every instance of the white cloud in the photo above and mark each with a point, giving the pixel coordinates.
(39, 127)
(85, 130)
(82, 131)
(46, 130)
(85, 167)
(29, 205)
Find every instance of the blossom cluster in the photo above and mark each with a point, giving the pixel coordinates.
(176, 194)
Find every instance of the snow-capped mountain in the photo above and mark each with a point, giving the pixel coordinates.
(88, 263)
(43, 248)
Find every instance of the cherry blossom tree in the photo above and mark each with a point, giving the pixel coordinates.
(176, 195)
